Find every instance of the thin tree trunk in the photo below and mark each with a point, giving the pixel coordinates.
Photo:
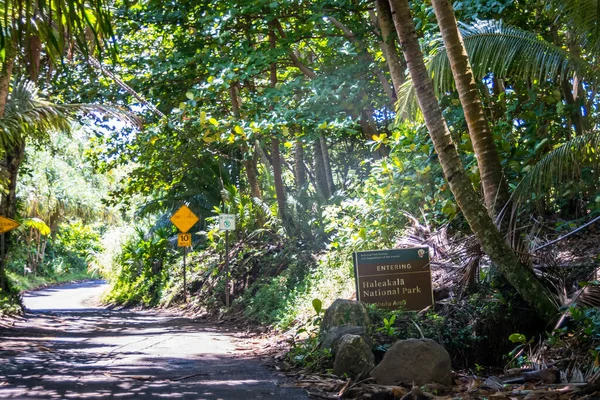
(322, 186)
(11, 163)
(327, 163)
(574, 115)
(482, 225)
(34, 50)
(5, 76)
(495, 188)
(276, 155)
(249, 158)
(394, 60)
(299, 166)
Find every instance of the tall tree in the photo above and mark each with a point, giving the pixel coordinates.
(275, 152)
(490, 239)
(28, 27)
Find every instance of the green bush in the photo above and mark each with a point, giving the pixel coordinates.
(139, 276)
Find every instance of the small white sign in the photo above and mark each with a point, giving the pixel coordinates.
(227, 222)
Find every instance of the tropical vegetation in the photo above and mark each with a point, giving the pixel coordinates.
(325, 127)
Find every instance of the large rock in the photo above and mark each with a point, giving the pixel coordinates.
(331, 337)
(353, 358)
(417, 361)
(345, 312)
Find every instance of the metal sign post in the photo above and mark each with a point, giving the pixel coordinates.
(185, 292)
(227, 268)
(2, 254)
(184, 219)
(226, 223)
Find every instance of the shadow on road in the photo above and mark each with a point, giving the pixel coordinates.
(97, 353)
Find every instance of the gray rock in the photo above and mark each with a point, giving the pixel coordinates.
(414, 361)
(331, 338)
(345, 312)
(354, 357)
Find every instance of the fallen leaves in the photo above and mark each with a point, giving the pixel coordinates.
(327, 386)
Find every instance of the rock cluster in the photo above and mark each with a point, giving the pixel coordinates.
(411, 362)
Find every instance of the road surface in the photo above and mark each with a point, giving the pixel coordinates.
(67, 347)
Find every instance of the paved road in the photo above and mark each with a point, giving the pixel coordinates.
(68, 348)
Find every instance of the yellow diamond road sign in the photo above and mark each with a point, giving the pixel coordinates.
(7, 224)
(184, 219)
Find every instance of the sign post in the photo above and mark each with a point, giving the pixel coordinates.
(227, 223)
(184, 219)
(6, 224)
(394, 278)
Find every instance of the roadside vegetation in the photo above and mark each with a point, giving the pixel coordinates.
(323, 137)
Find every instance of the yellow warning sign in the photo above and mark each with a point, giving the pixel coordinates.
(7, 224)
(184, 240)
(184, 219)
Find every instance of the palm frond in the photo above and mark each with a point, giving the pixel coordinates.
(407, 102)
(507, 52)
(582, 17)
(561, 164)
(58, 24)
(503, 51)
(27, 115)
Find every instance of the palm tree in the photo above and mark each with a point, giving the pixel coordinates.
(29, 118)
(495, 188)
(482, 225)
(55, 26)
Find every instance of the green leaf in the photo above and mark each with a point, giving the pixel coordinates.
(38, 225)
(317, 305)
(190, 95)
(517, 338)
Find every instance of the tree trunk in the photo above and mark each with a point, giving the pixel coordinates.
(11, 164)
(495, 188)
(5, 76)
(520, 277)
(327, 164)
(34, 50)
(279, 187)
(299, 167)
(249, 158)
(394, 60)
(276, 155)
(322, 186)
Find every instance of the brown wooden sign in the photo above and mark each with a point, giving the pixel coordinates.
(394, 278)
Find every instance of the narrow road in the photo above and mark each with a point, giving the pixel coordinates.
(66, 347)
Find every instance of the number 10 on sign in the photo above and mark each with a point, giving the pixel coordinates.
(184, 240)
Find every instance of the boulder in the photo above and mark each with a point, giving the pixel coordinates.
(354, 357)
(414, 361)
(331, 337)
(345, 312)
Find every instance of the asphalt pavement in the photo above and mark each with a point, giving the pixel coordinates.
(68, 347)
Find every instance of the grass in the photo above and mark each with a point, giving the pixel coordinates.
(31, 282)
